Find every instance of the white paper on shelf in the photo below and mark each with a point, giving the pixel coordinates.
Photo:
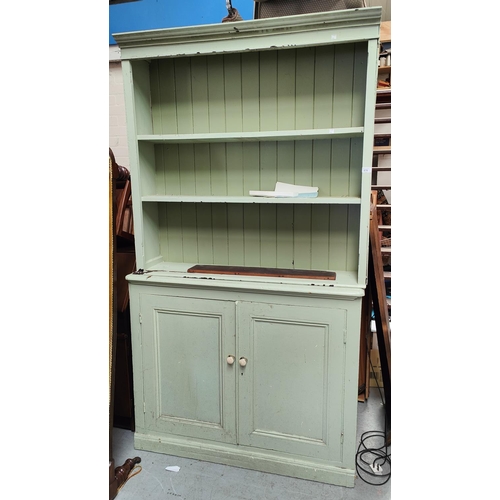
(274, 194)
(284, 190)
(295, 188)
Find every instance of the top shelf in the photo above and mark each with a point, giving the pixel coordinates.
(275, 135)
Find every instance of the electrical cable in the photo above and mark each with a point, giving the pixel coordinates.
(374, 461)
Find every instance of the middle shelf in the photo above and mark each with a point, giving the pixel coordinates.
(265, 135)
(322, 200)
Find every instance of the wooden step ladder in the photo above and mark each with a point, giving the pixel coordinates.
(380, 224)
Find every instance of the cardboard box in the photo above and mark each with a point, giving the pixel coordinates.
(375, 369)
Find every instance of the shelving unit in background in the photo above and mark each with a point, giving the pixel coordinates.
(381, 169)
(370, 370)
(381, 179)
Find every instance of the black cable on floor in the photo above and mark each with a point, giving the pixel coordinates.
(373, 463)
(374, 460)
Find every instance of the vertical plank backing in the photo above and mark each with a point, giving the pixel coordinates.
(359, 83)
(268, 241)
(286, 89)
(187, 169)
(148, 168)
(337, 236)
(251, 229)
(303, 162)
(352, 252)
(150, 233)
(304, 91)
(285, 162)
(268, 162)
(251, 167)
(321, 166)
(320, 220)
(340, 166)
(323, 87)
(235, 228)
(220, 234)
(268, 80)
(284, 237)
(141, 96)
(199, 86)
(171, 234)
(204, 233)
(342, 86)
(189, 226)
(302, 236)
(250, 77)
(183, 95)
(166, 100)
(356, 163)
(160, 175)
(232, 92)
(156, 102)
(202, 169)
(171, 169)
(218, 169)
(215, 82)
(234, 167)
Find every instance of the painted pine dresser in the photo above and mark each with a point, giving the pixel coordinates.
(251, 369)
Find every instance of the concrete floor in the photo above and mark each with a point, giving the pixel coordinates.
(197, 480)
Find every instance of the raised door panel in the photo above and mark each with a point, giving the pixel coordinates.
(188, 386)
(291, 389)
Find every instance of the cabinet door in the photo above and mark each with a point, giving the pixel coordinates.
(291, 389)
(188, 385)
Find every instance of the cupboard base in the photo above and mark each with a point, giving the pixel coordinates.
(246, 458)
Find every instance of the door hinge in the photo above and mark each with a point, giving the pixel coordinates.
(345, 336)
(140, 318)
(144, 406)
(341, 438)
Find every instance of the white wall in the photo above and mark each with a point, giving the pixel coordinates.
(117, 121)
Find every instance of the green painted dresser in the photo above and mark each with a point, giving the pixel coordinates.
(251, 370)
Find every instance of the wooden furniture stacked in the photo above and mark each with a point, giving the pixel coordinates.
(251, 367)
(124, 257)
(117, 174)
(113, 481)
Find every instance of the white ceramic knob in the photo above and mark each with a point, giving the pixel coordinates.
(243, 361)
(230, 360)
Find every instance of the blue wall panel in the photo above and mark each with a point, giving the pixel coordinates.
(154, 14)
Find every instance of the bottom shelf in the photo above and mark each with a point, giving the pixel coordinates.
(178, 273)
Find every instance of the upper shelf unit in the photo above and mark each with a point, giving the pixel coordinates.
(216, 111)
